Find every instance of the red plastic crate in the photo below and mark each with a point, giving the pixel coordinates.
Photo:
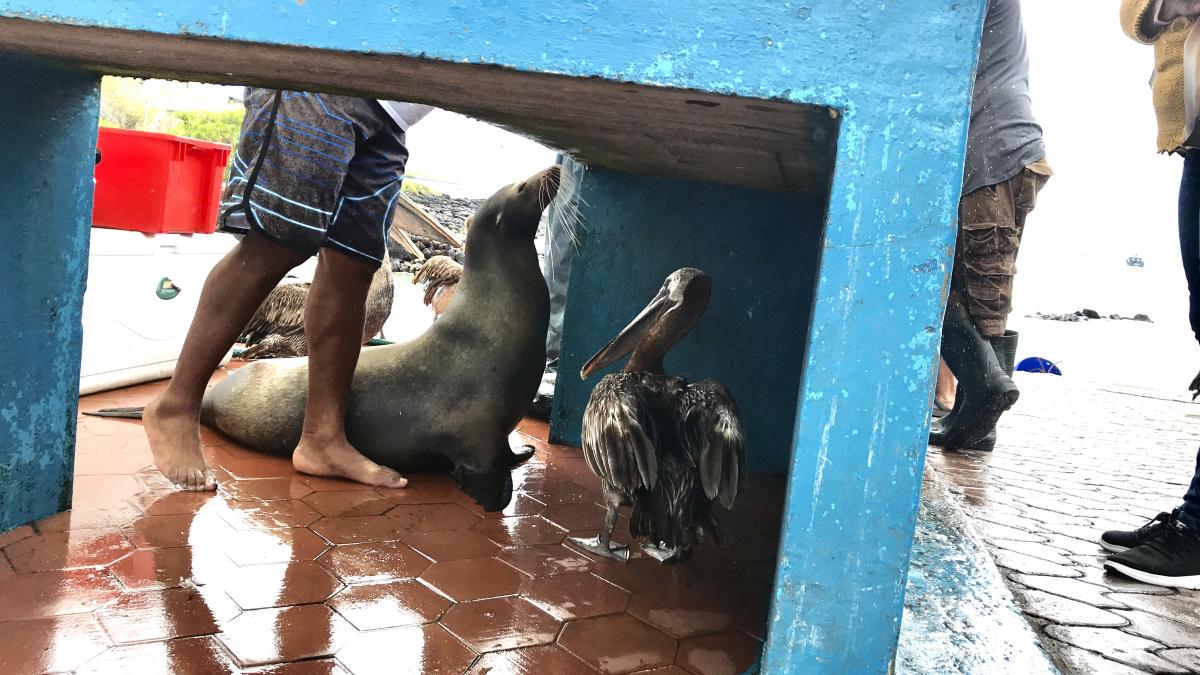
(157, 183)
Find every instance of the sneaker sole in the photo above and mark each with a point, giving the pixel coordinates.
(1112, 548)
(1189, 582)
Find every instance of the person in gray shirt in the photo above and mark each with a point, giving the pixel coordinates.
(1004, 171)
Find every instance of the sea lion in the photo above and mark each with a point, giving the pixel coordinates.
(449, 398)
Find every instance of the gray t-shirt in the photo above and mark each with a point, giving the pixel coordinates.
(1004, 137)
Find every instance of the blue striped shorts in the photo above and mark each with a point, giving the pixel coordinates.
(330, 173)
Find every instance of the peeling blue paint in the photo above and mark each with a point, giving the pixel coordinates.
(49, 140)
(899, 77)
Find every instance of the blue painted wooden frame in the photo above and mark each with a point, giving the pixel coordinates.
(898, 73)
(47, 146)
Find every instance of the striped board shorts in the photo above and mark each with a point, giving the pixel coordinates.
(329, 175)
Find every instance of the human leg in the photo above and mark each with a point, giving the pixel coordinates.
(943, 397)
(1189, 234)
(991, 224)
(333, 321)
(1168, 550)
(233, 290)
(560, 250)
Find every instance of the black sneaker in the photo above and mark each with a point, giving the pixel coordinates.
(1119, 541)
(1171, 558)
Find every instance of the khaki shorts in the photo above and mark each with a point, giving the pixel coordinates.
(991, 221)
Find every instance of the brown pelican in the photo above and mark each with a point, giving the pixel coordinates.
(441, 275)
(667, 448)
(277, 327)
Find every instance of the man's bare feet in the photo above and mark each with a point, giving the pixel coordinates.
(174, 436)
(336, 458)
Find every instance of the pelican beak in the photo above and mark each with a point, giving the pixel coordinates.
(628, 338)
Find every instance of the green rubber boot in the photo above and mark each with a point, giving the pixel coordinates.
(986, 390)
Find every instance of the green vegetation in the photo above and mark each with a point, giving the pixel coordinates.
(126, 104)
(412, 183)
(205, 125)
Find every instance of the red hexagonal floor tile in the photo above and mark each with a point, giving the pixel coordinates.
(16, 534)
(545, 561)
(432, 517)
(160, 568)
(520, 505)
(685, 611)
(644, 575)
(566, 492)
(577, 517)
(719, 654)
(521, 531)
(187, 656)
(374, 562)
(162, 615)
(428, 649)
(425, 490)
(543, 660)
(272, 515)
(500, 623)
(261, 547)
(451, 545)
(73, 549)
(279, 585)
(389, 605)
(472, 579)
(618, 643)
(44, 594)
(174, 503)
(357, 529)
(266, 636)
(52, 645)
(310, 667)
(349, 503)
(178, 530)
(321, 484)
(263, 489)
(575, 596)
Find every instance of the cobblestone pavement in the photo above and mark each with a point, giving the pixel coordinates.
(1074, 459)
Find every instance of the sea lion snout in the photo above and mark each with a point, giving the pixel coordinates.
(517, 209)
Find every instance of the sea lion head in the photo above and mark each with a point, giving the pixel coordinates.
(515, 210)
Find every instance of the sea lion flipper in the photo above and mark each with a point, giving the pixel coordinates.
(522, 455)
(492, 490)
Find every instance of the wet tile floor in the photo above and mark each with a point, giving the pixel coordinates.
(282, 573)
(1076, 458)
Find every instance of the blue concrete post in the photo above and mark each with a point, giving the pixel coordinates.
(761, 249)
(48, 118)
(897, 74)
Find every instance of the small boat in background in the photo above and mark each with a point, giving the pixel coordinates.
(1135, 261)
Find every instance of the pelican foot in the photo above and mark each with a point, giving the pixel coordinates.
(662, 554)
(615, 551)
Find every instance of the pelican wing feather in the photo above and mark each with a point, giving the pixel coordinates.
(711, 430)
(619, 439)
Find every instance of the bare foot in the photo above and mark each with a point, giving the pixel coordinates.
(174, 437)
(336, 458)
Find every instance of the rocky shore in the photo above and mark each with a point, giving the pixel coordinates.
(1087, 315)
(452, 214)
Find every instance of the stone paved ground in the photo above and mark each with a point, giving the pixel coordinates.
(1076, 458)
